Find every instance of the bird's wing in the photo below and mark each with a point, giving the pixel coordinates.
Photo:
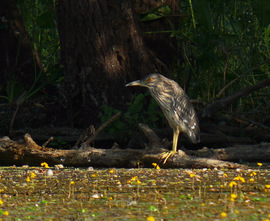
(185, 116)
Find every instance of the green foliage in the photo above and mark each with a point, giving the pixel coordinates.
(139, 111)
(219, 41)
(115, 127)
(13, 91)
(40, 21)
(39, 18)
(59, 143)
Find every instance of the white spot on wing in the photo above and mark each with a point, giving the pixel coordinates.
(193, 126)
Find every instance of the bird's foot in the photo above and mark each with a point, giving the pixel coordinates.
(165, 156)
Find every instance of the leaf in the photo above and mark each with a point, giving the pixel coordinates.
(153, 208)
(137, 104)
(156, 13)
(151, 17)
(203, 13)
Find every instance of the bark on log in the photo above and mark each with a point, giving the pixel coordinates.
(248, 153)
(28, 152)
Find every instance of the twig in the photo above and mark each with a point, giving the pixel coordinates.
(225, 67)
(84, 136)
(113, 118)
(17, 103)
(48, 141)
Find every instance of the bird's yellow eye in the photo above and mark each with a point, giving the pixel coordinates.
(149, 80)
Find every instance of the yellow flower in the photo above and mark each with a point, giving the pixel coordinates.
(72, 182)
(28, 179)
(1, 202)
(111, 171)
(44, 164)
(242, 179)
(33, 175)
(156, 166)
(225, 175)
(251, 180)
(192, 175)
(233, 196)
(253, 174)
(267, 186)
(259, 164)
(232, 183)
(223, 215)
(150, 218)
(6, 213)
(134, 178)
(94, 175)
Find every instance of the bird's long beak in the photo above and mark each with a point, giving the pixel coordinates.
(135, 83)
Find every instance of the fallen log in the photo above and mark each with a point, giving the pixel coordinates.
(248, 153)
(28, 152)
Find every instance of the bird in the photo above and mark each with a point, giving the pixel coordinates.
(175, 105)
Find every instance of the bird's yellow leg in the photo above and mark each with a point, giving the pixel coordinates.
(169, 154)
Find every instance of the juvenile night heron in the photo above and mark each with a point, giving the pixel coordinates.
(175, 105)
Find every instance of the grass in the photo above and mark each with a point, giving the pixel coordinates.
(134, 194)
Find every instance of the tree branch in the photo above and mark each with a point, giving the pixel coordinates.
(219, 104)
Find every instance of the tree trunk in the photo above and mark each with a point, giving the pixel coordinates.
(102, 49)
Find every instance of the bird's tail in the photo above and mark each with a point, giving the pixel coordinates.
(194, 136)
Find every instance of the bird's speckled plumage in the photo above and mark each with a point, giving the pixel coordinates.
(175, 105)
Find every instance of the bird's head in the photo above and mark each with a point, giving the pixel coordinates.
(149, 81)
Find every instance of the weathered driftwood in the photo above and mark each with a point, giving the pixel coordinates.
(28, 152)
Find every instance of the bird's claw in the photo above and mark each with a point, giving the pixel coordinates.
(165, 156)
